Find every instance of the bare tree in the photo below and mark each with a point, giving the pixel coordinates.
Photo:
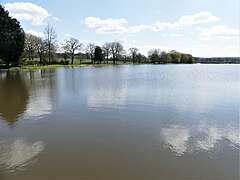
(71, 46)
(90, 48)
(41, 47)
(107, 50)
(133, 52)
(51, 38)
(116, 50)
(30, 45)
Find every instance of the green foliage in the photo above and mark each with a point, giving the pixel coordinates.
(98, 55)
(154, 55)
(173, 56)
(140, 58)
(12, 38)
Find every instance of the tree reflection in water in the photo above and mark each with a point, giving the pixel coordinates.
(13, 97)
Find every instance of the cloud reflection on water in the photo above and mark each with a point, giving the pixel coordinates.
(212, 135)
(204, 138)
(19, 153)
(176, 138)
(40, 104)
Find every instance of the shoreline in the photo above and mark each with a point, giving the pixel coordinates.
(34, 67)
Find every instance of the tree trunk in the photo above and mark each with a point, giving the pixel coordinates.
(107, 58)
(72, 59)
(49, 54)
(40, 57)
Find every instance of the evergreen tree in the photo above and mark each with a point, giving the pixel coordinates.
(98, 56)
(12, 38)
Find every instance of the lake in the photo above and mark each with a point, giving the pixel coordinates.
(128, 122)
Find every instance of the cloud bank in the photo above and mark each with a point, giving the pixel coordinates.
(120, 26)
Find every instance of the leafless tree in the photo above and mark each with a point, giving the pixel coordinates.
(51, 38)
(30, 45)
(107, 50)
(90, 49)
(71, 46)
(116, 49)
(133, 52)
(41, 48)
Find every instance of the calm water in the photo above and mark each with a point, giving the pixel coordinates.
(144, 121)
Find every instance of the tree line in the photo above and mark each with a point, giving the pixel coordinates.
(218, 60)
(16, 44)
(110, 51)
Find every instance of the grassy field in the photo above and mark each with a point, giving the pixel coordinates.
(34, 64)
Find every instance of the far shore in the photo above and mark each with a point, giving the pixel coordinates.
(30, 67)
(34, 67)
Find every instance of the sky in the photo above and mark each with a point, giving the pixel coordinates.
(203, 28)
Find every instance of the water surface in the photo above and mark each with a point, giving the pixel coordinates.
(143, 121)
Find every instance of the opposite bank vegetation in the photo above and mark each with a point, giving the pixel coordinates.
(22, 50)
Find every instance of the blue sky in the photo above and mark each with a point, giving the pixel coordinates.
(203, 28)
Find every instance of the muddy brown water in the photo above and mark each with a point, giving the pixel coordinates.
(120, 122)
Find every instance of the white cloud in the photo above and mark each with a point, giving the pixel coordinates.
(220, 31)
(35, 33)
(187, 20)
(28, 11)
(199, 18)
(134, 29)
(93, 22)
(175, 35)
(119, 26)
(106, 26)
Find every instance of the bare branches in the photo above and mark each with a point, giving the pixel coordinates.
(133, 52)
(51, 39)
(90, 49)
(116, 48)
(71, 46)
